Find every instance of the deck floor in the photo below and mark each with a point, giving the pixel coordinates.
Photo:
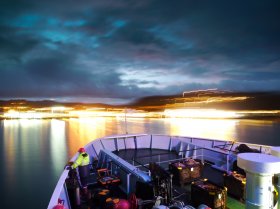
(144, 156)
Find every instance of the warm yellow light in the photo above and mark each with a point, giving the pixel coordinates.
(206, 128)
(22, 115)
(11, 114)
(58, 108)
(91, 113)
(200, 113)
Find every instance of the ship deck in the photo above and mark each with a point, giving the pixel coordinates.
(141, 159)
(141, 149)
(163, 158)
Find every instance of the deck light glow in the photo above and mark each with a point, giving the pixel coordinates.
(200, 113)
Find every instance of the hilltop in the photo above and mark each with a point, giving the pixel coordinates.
(193, 99)
(213, 99)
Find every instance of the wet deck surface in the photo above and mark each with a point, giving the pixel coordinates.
(145, 156)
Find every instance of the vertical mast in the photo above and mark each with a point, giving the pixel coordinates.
(125, 120)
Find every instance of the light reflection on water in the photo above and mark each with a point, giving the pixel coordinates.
(57, 144)
(204, 128)
(34, 152)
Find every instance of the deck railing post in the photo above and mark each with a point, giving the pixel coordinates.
(227, 162)
(195, 152)
(67, 196)
(128, 183)
(202, 157)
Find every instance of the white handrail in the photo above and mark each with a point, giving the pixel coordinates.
(61, 191)
(58, 192)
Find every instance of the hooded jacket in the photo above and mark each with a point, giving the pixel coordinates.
(82, 160)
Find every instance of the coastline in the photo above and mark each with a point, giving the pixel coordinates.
(252, 117)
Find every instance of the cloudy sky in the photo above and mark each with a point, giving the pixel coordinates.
(110, 50)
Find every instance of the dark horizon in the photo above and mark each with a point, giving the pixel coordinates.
(218, 100)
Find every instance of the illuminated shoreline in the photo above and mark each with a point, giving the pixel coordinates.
(67, 113)
(208, 104)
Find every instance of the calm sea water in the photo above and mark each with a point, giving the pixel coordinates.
(34, 152)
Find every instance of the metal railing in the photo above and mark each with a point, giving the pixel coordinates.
(60, 192)
(203, 154)
(217, 158)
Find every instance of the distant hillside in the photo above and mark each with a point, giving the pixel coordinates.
(214, 99)
(49, 103)
(193, 99)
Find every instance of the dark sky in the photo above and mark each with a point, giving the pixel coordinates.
(101, 49)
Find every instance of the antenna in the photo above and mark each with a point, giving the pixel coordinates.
(125, 120)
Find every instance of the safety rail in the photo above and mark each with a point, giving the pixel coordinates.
(60, 192)
(159, 159)
(155, 141)
(165, 142)
(139, 164)
(128, 174)
(224, 147)
(219, 160)
(126, 178)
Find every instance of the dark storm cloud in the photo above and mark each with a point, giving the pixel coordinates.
(59, 76)
(13, 46)
(128, 49)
